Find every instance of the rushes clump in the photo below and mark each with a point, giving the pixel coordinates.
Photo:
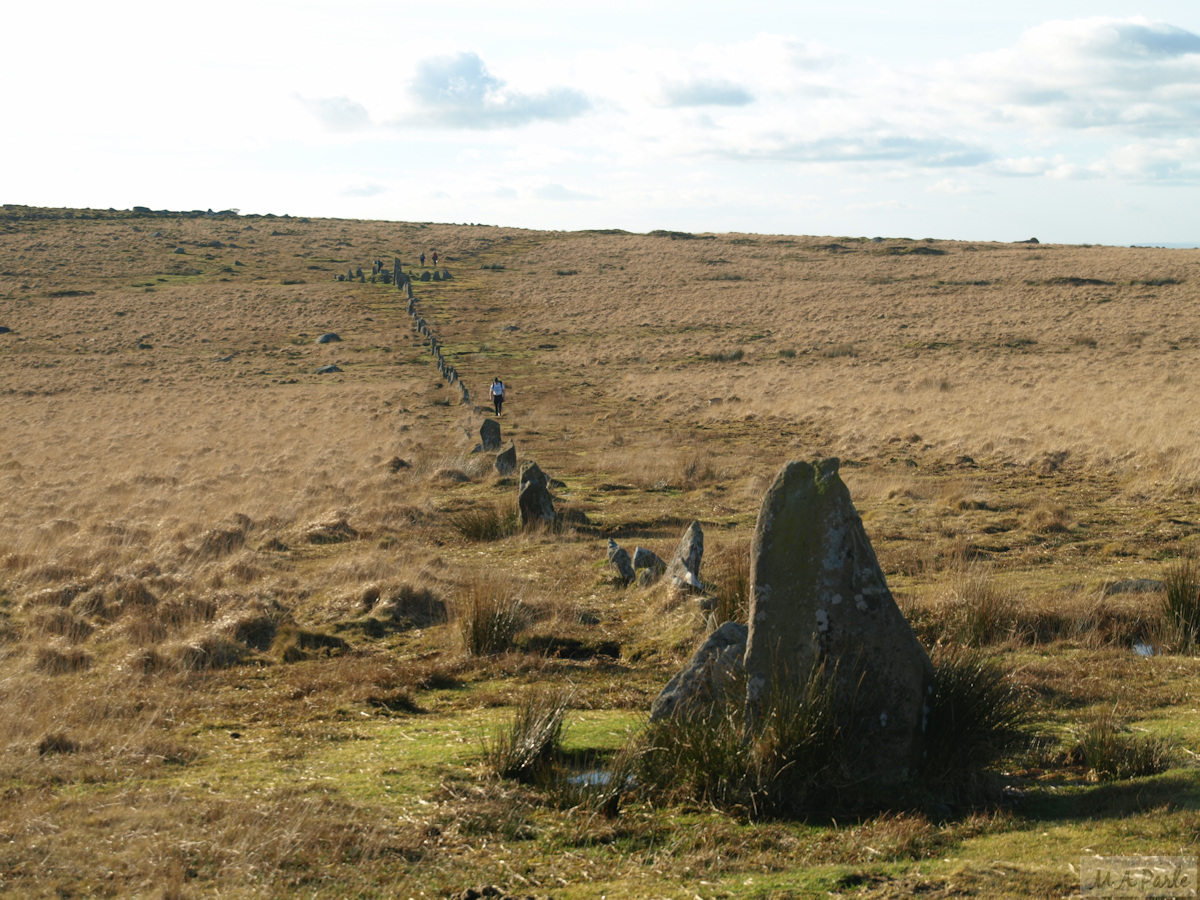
(1106, 747)
(729, 580)
(492, 522)
(788, 760)
(977, 715)
(981, 613)
(528, 746)
(490, 616)
(1181, 602)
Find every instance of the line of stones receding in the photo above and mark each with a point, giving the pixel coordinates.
(447, 371)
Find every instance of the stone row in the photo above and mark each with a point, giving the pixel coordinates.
(447, 371)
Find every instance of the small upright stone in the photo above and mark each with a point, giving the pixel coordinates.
(328, 338)
(684, 567)
(489, 434)
(535, 503)
(648, 559)
(710, 678)
(618, 558)
(531, 472)
(506, 460)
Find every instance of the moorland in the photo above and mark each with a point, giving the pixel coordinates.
(237, 596)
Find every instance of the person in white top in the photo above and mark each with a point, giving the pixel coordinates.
(497, 391)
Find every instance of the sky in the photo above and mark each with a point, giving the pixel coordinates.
(1072, 122)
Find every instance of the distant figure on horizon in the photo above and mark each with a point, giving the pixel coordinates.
(497, 392)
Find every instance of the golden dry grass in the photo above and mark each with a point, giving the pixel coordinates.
(178, 489)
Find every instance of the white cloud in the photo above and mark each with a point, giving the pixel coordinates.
(1129, 75)
(1169, 162)
(459, 92)
(705, 92)
(557, 192)
(364, 190)
(337, 113)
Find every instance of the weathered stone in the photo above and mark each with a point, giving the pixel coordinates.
(1135, 586)
(714, 675)
(328, 338)
(425, 276)
(506, 460)
(437, 276)
(684, 567)
(445, 274)
(489, 434)
(4, 329)
(535, 503)
(327, 370)
(648, 559)
(532, 472)
(618, 558)
(819, 598)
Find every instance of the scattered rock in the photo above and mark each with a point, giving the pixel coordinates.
(618, 558)
(819, 598)
(395, 464)
(506, 460)
(179, 250)
(224, 359)
(489, 434)
(425, 276)
(1134, 586)
(684, 567)
(328, 338)
(332, 532)
(445, 274)
(4, 329)
(713, 675)
(327, 370)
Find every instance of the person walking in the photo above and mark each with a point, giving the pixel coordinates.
(497, 392)
(434, 257)
(422, 257)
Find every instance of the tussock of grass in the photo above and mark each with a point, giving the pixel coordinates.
(1181, 602)
(728, 579)
(788, 762)
(977, 715)
(489, 616)
(1107, 747)
(488, 522)
(529, 744)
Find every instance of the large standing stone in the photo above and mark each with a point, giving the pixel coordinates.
(506, 460)
(685, 564)
(535, 503)
(618, 558)
(818, 597)
(489, 434)
(711, 678)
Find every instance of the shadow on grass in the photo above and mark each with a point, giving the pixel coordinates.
(1170, 791)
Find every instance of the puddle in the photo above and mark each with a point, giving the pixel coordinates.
(595, 778)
